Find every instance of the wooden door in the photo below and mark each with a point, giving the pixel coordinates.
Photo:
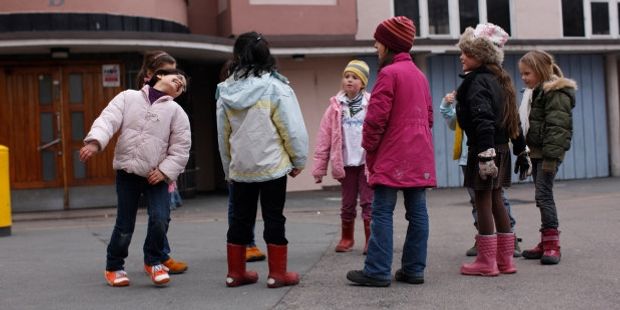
(50, 111)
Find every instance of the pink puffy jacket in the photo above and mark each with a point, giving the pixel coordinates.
(329, 141)
(397, 129)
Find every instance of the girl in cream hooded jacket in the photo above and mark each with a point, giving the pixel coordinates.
(261, 131)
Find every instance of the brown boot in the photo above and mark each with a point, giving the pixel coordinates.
(367, 232)
(237, 275)
(278, 276)
(346, 242)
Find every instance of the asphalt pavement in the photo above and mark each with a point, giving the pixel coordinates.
(55, 260)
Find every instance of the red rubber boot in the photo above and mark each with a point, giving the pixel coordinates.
(346, 242)
(278, 276)
(551, 246)
(237, 275)
(367, 232)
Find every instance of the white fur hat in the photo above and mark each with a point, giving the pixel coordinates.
(484, 43)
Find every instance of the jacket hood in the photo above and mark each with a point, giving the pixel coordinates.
(557, 83)
(243, 93)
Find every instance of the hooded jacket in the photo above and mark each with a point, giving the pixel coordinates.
(260, 128)
(329, 142)
(152, 136)
(551, 121)
(397, 129)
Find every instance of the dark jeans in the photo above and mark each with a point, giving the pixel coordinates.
(128, 189)
(543, 181)
(231, 212)
(245, 198)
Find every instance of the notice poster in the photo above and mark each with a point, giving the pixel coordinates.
(111, 75)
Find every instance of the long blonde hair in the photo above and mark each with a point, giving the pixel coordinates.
(543, 64)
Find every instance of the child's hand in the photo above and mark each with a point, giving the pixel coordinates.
(318, 179)
(295, 172)
(449, 97)
(88, 150)
(155, 176)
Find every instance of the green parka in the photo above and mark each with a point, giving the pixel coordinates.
(551, 122)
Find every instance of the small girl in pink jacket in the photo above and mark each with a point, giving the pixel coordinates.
(340, 140)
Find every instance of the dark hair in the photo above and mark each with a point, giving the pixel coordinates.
(225, 70)
(389, 58)
(152, 61)
(155, 78)
(510, 120)
(251, 56)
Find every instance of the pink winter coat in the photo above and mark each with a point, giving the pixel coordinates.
(397, 129)
(329, 141)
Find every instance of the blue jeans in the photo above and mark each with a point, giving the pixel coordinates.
(380, 246)
(543, 182)
(129, 187)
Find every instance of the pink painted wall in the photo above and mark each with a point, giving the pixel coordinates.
(172, 10)
(339, 19)
(369, 14)
(202, 17)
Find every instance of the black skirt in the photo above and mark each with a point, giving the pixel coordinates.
(502, 161)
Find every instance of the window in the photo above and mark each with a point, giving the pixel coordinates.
(572, 18)
(410, 9)
(438, 17)
(600, 17)
(498, 12)
(468, 14)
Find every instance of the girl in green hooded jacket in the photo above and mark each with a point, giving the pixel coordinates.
(548, 131)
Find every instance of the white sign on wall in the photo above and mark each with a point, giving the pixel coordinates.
(111, 75)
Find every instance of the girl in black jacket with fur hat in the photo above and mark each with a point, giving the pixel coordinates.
(487, 112)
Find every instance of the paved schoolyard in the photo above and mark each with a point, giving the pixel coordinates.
(55, 260)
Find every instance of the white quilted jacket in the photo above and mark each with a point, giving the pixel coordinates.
(152, 135)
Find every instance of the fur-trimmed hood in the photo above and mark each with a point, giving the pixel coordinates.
(484, 43)
(557, 82)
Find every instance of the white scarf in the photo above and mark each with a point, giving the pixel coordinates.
(524, 110)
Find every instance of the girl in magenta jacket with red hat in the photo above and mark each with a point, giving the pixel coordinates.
(399, 144)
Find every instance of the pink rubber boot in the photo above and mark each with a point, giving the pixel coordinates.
(505, 252)
(486, 260)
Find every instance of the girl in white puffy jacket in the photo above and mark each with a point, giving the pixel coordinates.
(151, 151)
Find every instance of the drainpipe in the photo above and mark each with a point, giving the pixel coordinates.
(613, 113)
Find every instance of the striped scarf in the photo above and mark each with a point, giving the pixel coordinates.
(355, 104)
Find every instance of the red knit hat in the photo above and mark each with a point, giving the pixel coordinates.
(396, 33)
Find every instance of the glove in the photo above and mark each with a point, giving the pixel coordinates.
(523, 165)
(549, 165)
(486, 164)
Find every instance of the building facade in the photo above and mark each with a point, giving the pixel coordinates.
(63, 60)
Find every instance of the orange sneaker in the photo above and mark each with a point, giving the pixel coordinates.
(175, 266)
(253, 254)
(116, 278)
(158, 273)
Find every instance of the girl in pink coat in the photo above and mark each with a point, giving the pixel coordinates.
(340, 140)
(399, 144)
